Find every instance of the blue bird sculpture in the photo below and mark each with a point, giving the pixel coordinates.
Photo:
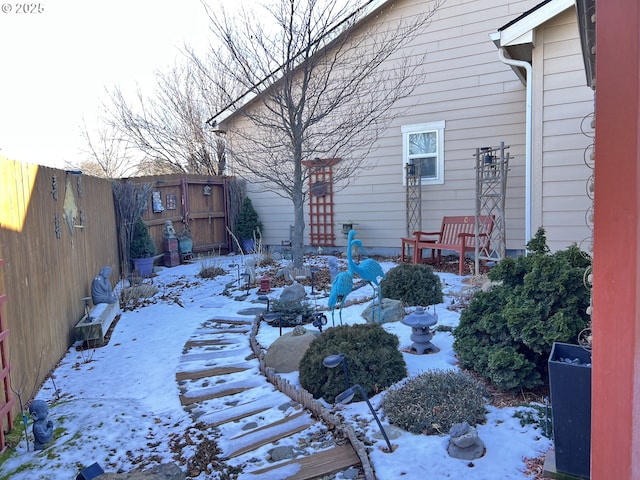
(342, 286)
(368, 269)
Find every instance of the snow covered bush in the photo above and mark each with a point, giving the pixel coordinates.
(434, 401)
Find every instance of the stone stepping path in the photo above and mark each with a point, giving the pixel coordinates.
(317, 465)
(221, 386)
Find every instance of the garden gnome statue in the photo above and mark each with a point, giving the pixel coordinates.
(42, 428)
(101, 288)
(169, 231)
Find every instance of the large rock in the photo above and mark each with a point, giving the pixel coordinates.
(392, 311)
(167, 471)
(293, 293)
(285, 353)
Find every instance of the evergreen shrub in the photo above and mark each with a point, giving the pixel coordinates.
(248, 223)
(506, 334)
(413, 285)
(142, 245)
(373, 358)
(292, 312)
(434, 401)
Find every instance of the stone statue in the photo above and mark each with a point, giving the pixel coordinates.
(42, 428)
(334, 268)
(169, 232)
(101, 291)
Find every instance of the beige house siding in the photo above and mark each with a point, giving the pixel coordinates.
(483, 103)
(560, 193)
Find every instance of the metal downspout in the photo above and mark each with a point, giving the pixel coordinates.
(528, 136)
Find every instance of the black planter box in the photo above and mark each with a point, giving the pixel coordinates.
(570, 388)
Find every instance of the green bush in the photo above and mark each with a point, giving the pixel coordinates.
(506, 334)
(433, 402)
(373, 359)
(413, 285)
(142, 245)
(248, 223)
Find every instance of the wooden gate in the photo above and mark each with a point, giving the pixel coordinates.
(195, 202)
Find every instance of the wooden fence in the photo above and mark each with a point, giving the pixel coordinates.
(190, 201)
(57, 230)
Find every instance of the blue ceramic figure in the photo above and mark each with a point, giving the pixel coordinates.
(368, 269)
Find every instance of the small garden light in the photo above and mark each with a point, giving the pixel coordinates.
(332, 361)
(231, 265)
(347, 396)
(314, 270)
(264, 298)
(246, 278)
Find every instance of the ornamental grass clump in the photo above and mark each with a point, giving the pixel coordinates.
(373, 360)
(413, 285)
(431, 403)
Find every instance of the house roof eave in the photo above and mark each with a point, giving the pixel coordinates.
(518, 37)
(519, 29)
(368, 9)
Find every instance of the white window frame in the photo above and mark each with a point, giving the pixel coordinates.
(438, 128)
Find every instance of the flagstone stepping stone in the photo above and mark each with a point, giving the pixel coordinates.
(326, 462)
(251, 311)
(238, 412)
(263, 436)
(209, 372)
(198, 357)
(222, 389)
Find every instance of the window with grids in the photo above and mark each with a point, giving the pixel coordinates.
(423, 152)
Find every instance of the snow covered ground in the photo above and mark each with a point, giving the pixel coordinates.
(119, 405)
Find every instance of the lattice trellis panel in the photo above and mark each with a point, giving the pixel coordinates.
(6, 414)
(492, 165)
(321, 218)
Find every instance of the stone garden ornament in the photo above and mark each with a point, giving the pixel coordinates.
(101, 291)
(42, 428)
(169, 232)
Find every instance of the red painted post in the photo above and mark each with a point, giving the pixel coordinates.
(615, 415)
(8, 401)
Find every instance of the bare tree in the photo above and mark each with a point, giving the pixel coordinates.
(324, 83)
(109, 155)
(167, 125)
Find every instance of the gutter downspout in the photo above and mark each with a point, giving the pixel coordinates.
(528, 136)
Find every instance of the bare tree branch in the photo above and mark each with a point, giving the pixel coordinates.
(323, 84)
(109, 155)
(168, 126)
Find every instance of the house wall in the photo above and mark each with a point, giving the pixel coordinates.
(564, 132)
(483, 103)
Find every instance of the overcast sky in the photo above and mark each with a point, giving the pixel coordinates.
(55, 65)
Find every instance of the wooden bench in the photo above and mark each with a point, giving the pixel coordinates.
(457, 234)
(92, 328)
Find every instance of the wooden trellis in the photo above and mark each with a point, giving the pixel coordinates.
(6, 409)
(321, 219)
